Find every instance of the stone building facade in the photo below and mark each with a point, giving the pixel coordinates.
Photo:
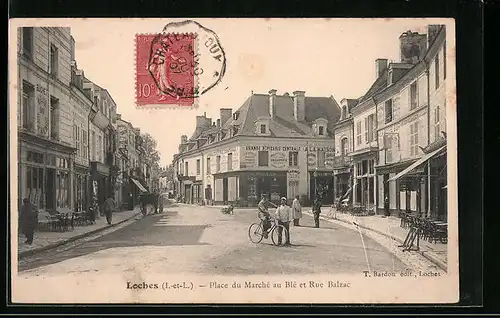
(280, 145)
(399, 130)
(45, 117)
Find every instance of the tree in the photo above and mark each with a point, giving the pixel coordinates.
(151, 155)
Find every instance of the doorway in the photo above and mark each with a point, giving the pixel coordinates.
(224, 190)
(51, 194)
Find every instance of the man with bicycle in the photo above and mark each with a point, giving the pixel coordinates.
(264, 214)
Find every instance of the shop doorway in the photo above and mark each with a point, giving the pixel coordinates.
(224, 190)
(187, 193)
(51, 191)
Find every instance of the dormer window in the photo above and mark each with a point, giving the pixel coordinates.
(236, 115)
(321, 130)
(319, 127)
(262, 126)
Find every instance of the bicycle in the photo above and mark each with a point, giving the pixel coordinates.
(256, 232)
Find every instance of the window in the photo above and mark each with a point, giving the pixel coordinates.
(99, 148)
(263, 129)
(344, 147)
(54, 59)
(198, 167)
(364, 167)
(85, 144)
(388, 111)
(28, 42)
(344, 112)
(321, 130)
(229, 161)
(436, 72)
(437, 124)
(208, 166)
(413, 95)
(293, 158)
(388, 147)
(369, 128)
(321, 159)
(444, 60)
(186, 169)
(371, 167)
(263, 158)
(28, 113)
(358, 133)
(33, 186)
(414, 139)
(62, 189)
(54, 118)
(93, 148)
(217, 164)
(76, 136)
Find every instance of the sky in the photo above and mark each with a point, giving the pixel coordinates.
(323, 57)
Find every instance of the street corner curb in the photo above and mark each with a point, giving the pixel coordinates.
(72, 239)
(427, 255)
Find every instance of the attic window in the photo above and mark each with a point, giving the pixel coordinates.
(236, 115)
(263, 128)
(321, 130)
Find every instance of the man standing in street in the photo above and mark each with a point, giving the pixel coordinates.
(28, 220)
(283, 216)
(317, 210)
(297, 211)
(109, 207)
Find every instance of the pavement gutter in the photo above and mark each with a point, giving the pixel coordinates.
(71, 239)
(428, 255)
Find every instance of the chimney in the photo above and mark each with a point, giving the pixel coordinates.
(412, 46)
(272, 103)
(218, 123)
(208, 122)
(184, 139)
(200, 121)
(225, 115)
(118, 117)
(380, 67)
(299, 105)
(432, 32)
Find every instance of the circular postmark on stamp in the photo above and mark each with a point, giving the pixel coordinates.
(186, 60)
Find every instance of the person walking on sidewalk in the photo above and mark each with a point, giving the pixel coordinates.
(317, 210)
(297, 211)
(283, 217)
(28, 220)
(387, 212)
(109, 207)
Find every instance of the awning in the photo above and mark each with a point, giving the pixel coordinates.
(139, 185)
(417, 163)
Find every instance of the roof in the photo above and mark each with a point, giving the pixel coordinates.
(284, 123)
(379, 84)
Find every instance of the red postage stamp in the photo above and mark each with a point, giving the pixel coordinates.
(166, 69)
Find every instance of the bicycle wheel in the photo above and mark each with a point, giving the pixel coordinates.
(255, 232)
(275, 235)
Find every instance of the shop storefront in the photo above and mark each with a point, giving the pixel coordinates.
(80, 188)
(438, 187)
(364, 182)
(321, 182)
(245, 188)
(99, 182)
(45, 174)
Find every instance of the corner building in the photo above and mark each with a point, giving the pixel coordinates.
(280, 145)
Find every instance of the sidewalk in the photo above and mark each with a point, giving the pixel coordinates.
(48, 240)
(390, 227)
(387, 226)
